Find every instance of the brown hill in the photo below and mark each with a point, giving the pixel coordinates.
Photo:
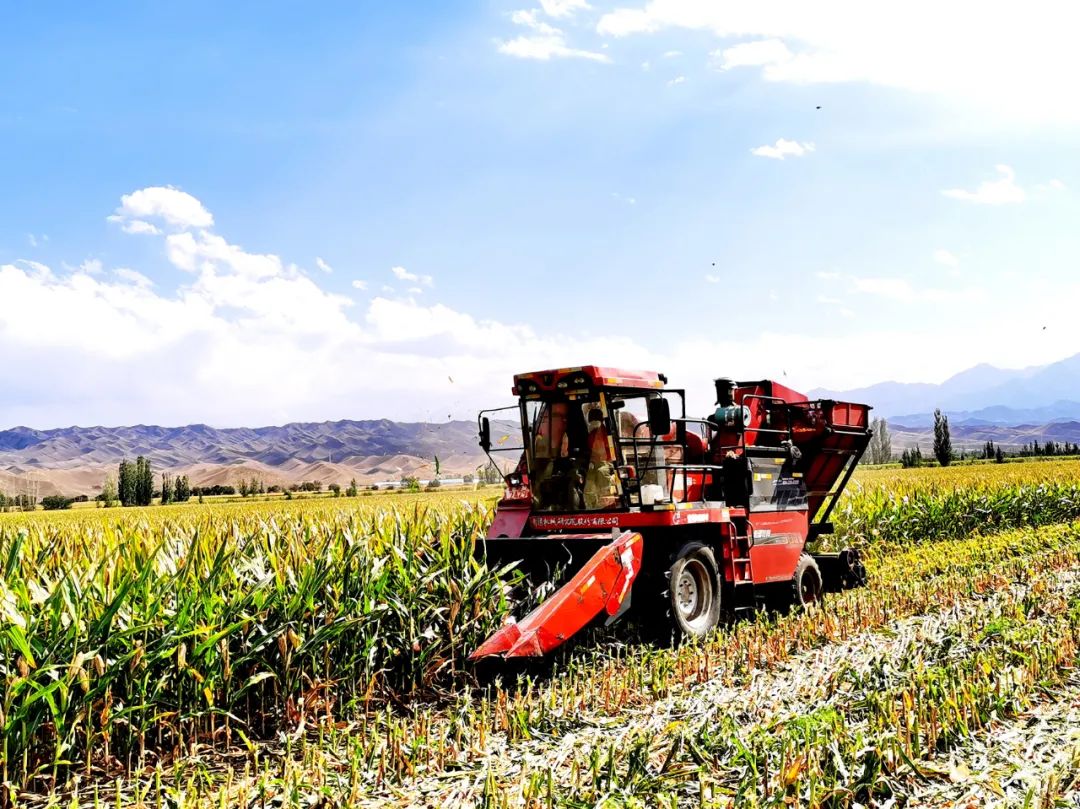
(75, 461)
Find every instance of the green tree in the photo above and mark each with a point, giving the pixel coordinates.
(336, 489)
(166, 489)
(182, 490)
(880, 447)
(109, 493)
(999, 456)
(144, 482)
(942, 440)
(353, 490)
(54, 502)
(126, 485)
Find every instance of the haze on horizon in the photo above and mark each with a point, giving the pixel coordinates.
(376, 211)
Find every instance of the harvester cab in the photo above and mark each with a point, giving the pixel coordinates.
(611, 486)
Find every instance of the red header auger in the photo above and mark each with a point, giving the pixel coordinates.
(697, 519)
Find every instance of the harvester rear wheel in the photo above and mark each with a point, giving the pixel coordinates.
(806, 587)
(693, 593)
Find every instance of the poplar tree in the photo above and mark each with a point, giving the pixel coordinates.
(942, 440)
(127, 483)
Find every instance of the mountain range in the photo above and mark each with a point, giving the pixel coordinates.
(984, 403)
(75, 460)
(980, 395)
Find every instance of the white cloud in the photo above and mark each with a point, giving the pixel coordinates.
(563, 8)
(1050, 185)
(71, 340)
(175, 207)
(358, 284)
(676, 80)
(712, 278)
(1002, 191)
(546, 41)
(942, 256)
(528, 19)
(402, 274)
(672, 54)
(757, 53)
(544, 47)
(134, 277)
(646, 66)
(32, 239)
(783, 148)
(828, 275)
(91, 266)
(828, 300)
(622, 198)
(1015, 65)
(322, 265)
(137, 226)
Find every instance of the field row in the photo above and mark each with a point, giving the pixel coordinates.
(145, 638)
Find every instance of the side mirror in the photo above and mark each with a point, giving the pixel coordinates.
(659, 416)
(485, 434)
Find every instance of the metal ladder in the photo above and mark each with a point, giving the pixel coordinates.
(742, 574)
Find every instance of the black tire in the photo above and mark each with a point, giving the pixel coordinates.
(693, 592)
(806, 584)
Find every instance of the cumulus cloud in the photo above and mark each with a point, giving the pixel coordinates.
(546, 42)
(913, 47)
(322, 265)
(252, 340)
(562, 8)
(359, 284)
(783, 148)
(757, 53)
(133, 277)
(675, 81)
(1001, 191)
(174, 207)
(402, 274)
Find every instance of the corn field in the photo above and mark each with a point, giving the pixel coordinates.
(312, 654)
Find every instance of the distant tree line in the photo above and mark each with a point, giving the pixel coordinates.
(17, 502)
(1049, 448)
(134, 486)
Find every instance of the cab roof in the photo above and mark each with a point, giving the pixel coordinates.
(593, 376)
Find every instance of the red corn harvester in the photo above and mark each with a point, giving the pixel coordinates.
(695, 519)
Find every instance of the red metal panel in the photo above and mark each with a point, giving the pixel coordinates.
(632, 519)
(509, 522)
(597, 376)
(779, 539)
(601, 585)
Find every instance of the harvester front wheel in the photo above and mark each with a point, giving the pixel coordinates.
(693, 593)
(806, 587)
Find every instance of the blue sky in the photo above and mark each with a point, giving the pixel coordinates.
(203, 206)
